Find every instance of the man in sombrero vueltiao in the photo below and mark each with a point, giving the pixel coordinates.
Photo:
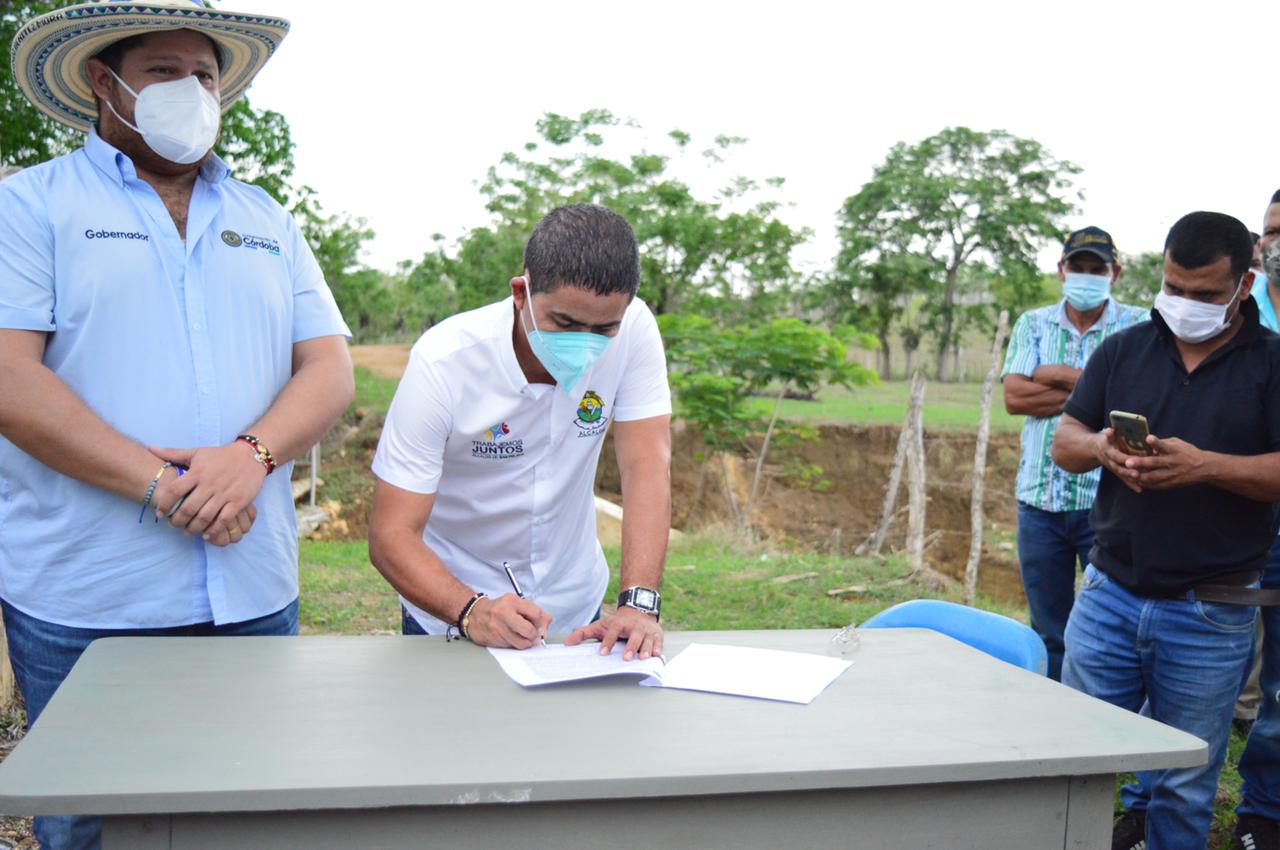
(157, 317)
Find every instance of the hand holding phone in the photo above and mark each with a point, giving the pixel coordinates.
(1132, 430)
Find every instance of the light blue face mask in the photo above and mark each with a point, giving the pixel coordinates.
(1086, 291)
(567, 355)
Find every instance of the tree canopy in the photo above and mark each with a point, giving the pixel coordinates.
(969, 207)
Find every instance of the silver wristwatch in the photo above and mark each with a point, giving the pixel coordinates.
(644, 599)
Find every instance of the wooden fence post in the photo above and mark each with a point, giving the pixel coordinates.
(916, 478)
(980, 464)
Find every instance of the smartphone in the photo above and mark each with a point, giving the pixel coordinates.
(1132, 430)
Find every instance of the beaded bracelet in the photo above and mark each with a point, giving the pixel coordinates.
(461, 623)
(151, 491)
(260, 452)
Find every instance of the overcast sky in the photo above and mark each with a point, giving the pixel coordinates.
(398, 108)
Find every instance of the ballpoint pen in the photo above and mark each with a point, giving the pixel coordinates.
(515, 585)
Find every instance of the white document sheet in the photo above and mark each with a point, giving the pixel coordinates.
(549, 665)
(742, 671)
(735, 670)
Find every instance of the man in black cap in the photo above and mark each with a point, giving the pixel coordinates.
(1047, 352)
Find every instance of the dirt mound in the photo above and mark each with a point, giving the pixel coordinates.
(385, 361)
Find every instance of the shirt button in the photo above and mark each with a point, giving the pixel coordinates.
(197, 327)
(206, 389)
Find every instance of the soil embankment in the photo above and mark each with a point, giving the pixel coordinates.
(838, 509)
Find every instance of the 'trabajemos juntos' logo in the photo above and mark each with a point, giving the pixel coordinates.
(591, 420)
(495, 445)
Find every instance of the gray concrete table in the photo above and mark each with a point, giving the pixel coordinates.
(333, 742)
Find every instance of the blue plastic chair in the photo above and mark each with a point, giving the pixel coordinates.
(994, 634)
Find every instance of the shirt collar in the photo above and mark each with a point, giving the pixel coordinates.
(1109, 316)
(119, 168)
(507, 351)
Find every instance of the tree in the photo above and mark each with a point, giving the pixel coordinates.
(258, 146)
(961, 200)
(878, 293)
(730, 244)
(336, 241)
(27, 137)
(1141, 278)
(717, 372)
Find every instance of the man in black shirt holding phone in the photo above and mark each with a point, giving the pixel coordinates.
(1166, 611)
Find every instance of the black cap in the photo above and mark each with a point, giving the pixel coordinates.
(1092, 239)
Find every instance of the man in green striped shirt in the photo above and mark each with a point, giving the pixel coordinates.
(1047, 353)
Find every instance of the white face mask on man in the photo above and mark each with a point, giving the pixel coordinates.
(177, 119)
(1194, 321)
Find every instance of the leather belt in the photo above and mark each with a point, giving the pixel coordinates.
(1265, 596)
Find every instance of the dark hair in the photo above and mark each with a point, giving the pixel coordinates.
(113, 54)
(583, 245)
(1200, 239)
(1254, 238)
(1275, 199)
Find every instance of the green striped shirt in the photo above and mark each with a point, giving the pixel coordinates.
(1046, 337)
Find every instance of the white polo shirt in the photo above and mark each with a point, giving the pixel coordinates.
(513, 464)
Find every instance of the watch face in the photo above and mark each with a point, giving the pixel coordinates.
(644, 598)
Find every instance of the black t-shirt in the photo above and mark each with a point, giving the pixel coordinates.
(1162, 543)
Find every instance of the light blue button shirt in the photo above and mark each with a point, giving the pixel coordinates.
(172, 343)
(1266, 312)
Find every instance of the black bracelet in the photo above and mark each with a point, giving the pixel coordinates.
(461, 623)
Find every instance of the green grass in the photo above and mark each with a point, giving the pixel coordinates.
(713, 581)
(373, 392)
(947, 407)
(718, 580)
(341, 592)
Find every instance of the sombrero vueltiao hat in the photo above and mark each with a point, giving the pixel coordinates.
(49, 52)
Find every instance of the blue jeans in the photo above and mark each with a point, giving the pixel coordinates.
(1184, 658)
(43, 654)
(408, 625)
(1260, 762)
(1049, 545)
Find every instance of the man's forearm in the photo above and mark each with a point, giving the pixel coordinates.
(1254, 477)
(1025, 397)
(646, 525)
(1073, 448)
(43, 417)
(415, 571)
(310, 402)
(1057, 376)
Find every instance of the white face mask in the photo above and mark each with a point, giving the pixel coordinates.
(1194, 321)
(178, 119)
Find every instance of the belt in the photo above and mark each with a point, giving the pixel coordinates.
(1232, 589)
(1264, 596)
